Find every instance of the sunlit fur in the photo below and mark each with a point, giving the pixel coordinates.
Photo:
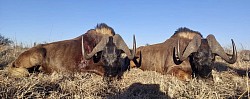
(197, 60)
(185, 33)
(62, 56)
(159, 57)
(104, 29)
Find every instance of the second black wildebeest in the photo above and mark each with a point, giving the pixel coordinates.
(184, 54)
(99, 50)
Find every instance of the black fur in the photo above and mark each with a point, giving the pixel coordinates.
(113, 63)
(202, 60)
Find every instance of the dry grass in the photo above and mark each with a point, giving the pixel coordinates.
(230, 81)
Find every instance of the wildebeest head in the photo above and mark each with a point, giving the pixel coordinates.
(202, 54)
(112, 48)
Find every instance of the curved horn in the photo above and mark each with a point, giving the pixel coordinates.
(138, 64)
(120, 44)
(98, 47)
(217, 49)
(193, 46)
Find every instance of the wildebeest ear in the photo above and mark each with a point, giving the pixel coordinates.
(218, 50)
(193, 46)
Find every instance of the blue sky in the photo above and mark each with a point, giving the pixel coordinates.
(152, 21)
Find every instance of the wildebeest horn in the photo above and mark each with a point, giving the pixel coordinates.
(138, 64)
(193, 46)
(217, 49)
(98, 47)
(120, 44)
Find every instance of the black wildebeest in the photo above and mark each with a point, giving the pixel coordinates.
(98, 50)
(184, 54)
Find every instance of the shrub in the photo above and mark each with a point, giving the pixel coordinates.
(5, 41)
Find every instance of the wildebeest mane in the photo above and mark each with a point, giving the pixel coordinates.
(185, 33)
(104, 29)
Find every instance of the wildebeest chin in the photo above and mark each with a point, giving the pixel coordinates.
(95, 51)
(185, 54)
